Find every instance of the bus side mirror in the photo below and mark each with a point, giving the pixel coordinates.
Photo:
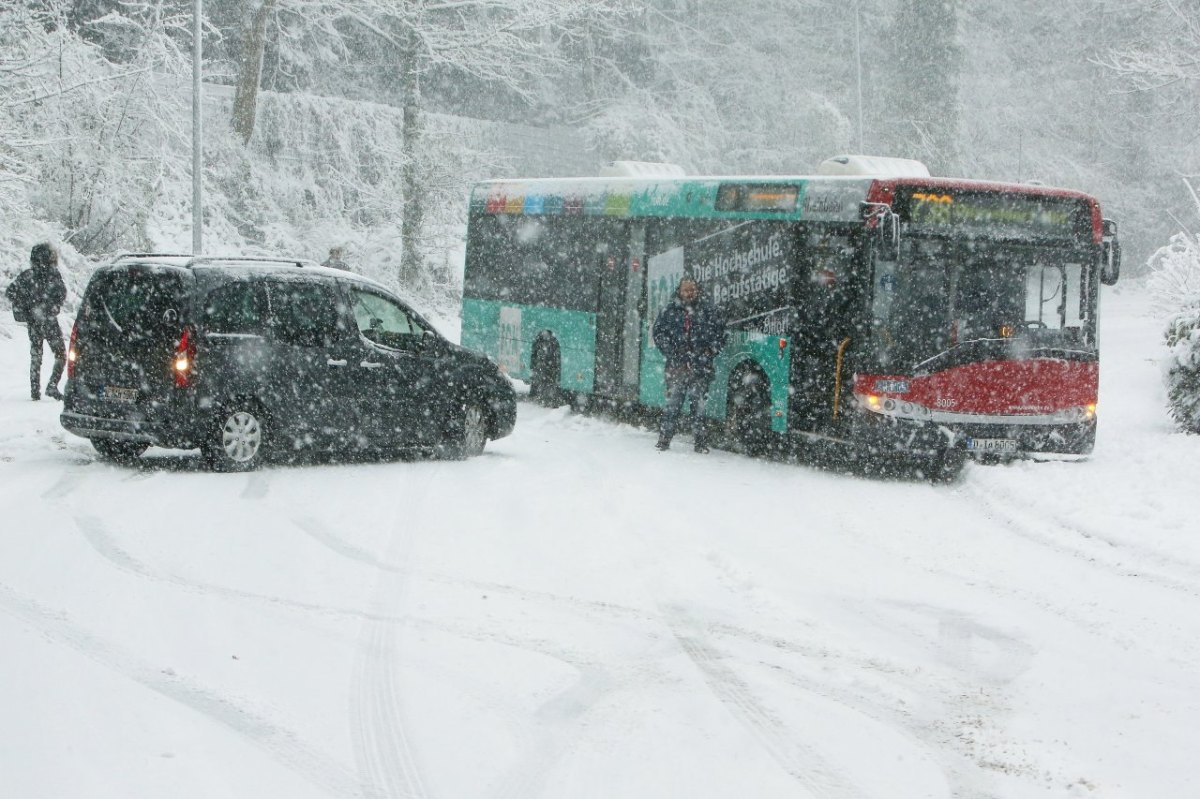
(887, 227)
(1110, 254)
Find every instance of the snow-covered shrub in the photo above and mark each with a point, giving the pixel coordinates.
(1183, 369)
(1174, 286)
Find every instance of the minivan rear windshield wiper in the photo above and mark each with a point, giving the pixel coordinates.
(109, 316)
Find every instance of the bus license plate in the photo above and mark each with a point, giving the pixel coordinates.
(119, 394)
(999, 445)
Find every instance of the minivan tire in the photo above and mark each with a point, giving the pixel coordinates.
(119, 450)
(238, 438)
(470, 434)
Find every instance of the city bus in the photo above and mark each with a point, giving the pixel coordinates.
(869, 306)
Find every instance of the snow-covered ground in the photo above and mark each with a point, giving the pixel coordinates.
(577, 615)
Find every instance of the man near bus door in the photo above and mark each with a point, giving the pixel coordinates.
(689, 332)
(37, 295)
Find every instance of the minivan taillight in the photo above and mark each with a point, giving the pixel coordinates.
(73, 350)
(184, 362)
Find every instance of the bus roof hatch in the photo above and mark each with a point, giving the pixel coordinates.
(641, 169)
(873, 166)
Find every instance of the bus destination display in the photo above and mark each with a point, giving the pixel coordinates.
(996, 213)
(764, 197)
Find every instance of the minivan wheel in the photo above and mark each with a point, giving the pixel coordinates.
(119, 450)
(470, 437)
(237, 441)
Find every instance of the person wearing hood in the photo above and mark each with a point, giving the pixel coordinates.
(689, 332)
(37, 295)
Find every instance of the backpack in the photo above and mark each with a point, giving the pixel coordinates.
(17, 296)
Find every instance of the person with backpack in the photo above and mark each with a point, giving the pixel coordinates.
(37, 295)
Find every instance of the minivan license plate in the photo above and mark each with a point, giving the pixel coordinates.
(119, 394)
(1000, 445)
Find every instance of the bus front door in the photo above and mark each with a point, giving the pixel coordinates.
(618, 321)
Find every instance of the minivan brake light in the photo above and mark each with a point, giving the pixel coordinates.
(185, 358)
(73, 350)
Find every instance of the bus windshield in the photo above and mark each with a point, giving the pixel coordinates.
(941, 296)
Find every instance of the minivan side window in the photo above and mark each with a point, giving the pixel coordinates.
(236, 309)
(305, 314)
(383, 321)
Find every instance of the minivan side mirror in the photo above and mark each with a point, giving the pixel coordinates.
(433, 342)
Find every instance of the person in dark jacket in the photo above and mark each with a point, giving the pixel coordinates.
(37, 294)
(689, 332)
(336, 259)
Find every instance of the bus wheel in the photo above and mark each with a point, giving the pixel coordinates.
(546, 369)
(946, 467)
(748, 412)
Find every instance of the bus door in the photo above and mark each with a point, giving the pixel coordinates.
(826, 290)
(618, 322)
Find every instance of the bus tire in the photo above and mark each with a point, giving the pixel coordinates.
(946, 467)
(748, 412)
(545, 373)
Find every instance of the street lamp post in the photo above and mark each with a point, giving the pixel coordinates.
(197, 128)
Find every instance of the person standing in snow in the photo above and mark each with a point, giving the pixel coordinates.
(335, 259)
(689, 332)
(37, 295)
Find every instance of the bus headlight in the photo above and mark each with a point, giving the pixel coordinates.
(1076, 414)
(895, 408)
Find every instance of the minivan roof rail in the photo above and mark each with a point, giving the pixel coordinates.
(194, 260)
(209, 259)
(153, 255)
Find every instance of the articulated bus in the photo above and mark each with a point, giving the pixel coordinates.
(868, 305)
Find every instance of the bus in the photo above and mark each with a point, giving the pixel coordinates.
(869, 306)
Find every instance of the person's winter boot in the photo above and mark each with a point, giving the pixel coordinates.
(53, 392)
(34, 394)
(663, 444)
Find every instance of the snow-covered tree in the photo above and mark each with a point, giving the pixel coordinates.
(920, 110)
(1174, 285)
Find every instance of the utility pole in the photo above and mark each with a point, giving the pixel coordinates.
(197, 129)
(858, 58)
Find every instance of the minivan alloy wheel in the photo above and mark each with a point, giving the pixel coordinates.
(241, 437)
(474, 433)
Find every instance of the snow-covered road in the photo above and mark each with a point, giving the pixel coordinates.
(574, 614)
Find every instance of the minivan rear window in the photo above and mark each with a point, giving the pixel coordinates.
(134, 305)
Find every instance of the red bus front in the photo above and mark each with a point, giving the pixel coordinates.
(984, 317)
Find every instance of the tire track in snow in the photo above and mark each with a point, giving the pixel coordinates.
(278, 742)
(1086, 544)
(799, 761)
(97, 536)
(324, 534)
(387, 763)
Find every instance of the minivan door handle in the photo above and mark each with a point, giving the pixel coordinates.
(342, 362)
(371, 365)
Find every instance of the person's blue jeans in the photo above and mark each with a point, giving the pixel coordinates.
(681, 388)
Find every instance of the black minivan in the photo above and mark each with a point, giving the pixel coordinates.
(254, 358)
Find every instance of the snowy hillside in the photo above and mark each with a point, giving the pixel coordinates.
(577, 615)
